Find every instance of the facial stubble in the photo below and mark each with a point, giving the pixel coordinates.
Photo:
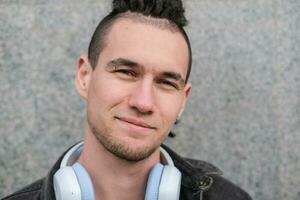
(119, 148)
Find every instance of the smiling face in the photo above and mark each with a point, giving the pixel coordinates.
(137, 90)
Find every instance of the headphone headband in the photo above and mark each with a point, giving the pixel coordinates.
(72, 155)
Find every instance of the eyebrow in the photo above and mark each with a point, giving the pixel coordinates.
(129, 63)
(123, 62)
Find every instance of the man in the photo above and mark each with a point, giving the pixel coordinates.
(135, 84)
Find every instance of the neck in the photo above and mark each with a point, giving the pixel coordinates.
(110, 173)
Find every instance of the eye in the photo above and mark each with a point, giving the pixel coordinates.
(126, 72)
(168, 84)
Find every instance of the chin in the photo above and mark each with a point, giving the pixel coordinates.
(129, 149)
(135, 150)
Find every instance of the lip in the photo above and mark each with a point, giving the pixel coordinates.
(135, 122)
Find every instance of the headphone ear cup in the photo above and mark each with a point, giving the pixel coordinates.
(66, 185)
(170, 184)
(84, 181)
(153, 182)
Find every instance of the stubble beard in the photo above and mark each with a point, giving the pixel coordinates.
(119, 148)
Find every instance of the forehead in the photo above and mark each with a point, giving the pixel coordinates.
(147, 42)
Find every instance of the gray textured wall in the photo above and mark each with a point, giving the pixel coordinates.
(244, 111)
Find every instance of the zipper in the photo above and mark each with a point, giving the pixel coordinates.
(202, 186)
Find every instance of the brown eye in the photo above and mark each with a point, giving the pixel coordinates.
(168, 84)
(126, 72)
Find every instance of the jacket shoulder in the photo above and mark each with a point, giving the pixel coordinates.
(223, 189)
(220, 188)
(31, 192)
(202, 180)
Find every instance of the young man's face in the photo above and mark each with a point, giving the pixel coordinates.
(137, 89)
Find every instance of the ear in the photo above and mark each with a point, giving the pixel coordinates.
(187, 91)
(83, 76)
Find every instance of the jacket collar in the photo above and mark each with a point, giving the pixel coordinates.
(194, 173)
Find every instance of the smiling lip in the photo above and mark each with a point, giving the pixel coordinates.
(136, 122)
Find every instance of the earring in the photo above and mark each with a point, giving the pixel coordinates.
(172, 134)
(177, 120)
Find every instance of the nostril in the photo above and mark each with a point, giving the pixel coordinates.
(140, 110)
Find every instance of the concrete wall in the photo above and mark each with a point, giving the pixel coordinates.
(244, 111)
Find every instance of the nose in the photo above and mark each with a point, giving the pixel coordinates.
(142, 97)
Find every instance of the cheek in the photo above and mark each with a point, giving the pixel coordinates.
(104, 95)
(170, 107)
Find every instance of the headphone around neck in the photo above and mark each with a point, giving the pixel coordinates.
(72, 181)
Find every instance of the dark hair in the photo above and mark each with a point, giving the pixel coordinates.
(171, 10)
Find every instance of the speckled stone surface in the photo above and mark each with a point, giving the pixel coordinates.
(244, 110)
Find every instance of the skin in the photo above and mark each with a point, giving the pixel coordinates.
(133, 96)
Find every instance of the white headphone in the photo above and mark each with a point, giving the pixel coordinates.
(72, 182)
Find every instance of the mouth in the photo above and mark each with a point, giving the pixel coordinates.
(135, 122)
